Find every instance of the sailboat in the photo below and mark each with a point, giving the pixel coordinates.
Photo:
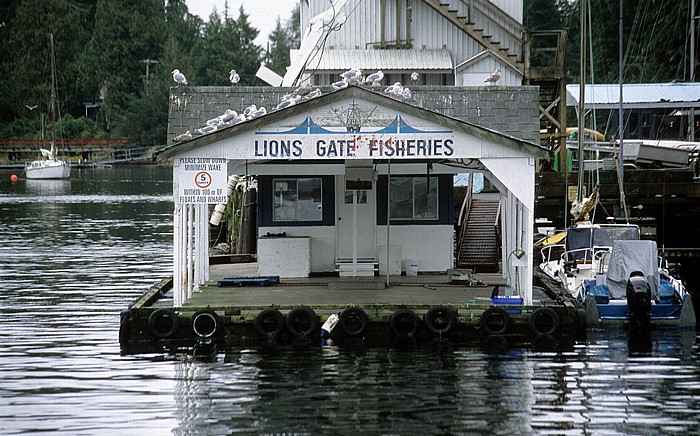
(50, 167)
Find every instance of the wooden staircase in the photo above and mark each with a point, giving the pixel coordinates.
(483, 21)
(478, 246)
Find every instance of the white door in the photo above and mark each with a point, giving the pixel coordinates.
(356, 222)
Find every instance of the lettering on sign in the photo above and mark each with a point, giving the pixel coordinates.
(202, 181)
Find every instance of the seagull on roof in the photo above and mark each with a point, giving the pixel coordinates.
(374, 78)
(207, 129)
(179, 78)
(396, 89)
(183, 137)
(313, 94)
(303, 90)
(233, 77)
(340, 84)
(353, 76)
(228, 116)
(494, 77)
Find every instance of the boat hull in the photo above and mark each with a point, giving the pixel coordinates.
(662, 315)
(48, 169)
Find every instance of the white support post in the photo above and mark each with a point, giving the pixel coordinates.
(190, 249)
(204, 243)
(197, 243)
(178, 297)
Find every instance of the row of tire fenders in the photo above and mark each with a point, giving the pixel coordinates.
(303, 322)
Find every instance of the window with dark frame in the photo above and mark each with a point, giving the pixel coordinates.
(414, 198)
(297, 199)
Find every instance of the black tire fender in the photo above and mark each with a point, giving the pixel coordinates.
(163, 322)
(543, 321)
(205, 323)
(301, 321)
(124, 328)
(269, 322)
(353, 321)
(439, 320)
(495, 321)
(404, 323)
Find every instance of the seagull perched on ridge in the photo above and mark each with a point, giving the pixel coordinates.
(303, 90)
(340, 84)
(374, 78)
(353, 76)
(494, 77)
(233, 77)
(183, 137)
(179, 78)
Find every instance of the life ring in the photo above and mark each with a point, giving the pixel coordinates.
(301, 321)
(269, 322)
(205, 323)
(439, 320)
(353, 321)
(543, 321)
(163, 322)
(495, 321)
(404, 323)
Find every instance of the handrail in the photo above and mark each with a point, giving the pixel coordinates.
(466, 207)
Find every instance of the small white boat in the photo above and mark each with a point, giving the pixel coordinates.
(51, 167)
(47, 169)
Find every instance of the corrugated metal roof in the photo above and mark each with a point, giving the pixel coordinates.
(643, 95)
(385, 60)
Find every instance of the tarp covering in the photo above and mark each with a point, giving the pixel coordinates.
(629, 256)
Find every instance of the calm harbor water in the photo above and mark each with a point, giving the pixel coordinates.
(74, 254)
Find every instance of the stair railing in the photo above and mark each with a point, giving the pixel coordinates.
(464, 214)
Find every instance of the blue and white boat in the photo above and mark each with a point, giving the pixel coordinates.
(618, 278)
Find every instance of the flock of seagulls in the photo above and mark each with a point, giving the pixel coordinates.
(303, 93)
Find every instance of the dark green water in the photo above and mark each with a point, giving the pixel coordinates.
(74, 254)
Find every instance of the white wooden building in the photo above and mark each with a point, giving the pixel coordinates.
(354, 181)
(442, 40)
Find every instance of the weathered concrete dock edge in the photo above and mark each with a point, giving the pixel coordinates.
(151, 324)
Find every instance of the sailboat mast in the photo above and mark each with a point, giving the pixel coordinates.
(621, 116)
(53, 93)
(581, 95)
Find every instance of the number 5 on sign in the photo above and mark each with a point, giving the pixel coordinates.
(202, 180)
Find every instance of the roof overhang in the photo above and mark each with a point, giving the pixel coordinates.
(637, 96)
(434, 60)
(385, 120)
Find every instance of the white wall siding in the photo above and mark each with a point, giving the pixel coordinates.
(429, 29)
(432, 245)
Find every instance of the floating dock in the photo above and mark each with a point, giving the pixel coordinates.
(237, 308)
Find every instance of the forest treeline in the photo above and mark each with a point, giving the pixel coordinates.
(114, 58)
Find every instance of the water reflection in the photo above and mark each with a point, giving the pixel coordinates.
(48, 187)
(71, 261)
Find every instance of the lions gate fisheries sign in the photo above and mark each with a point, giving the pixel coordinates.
(202, 180)
(311, 141)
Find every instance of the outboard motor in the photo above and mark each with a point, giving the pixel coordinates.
(639, 301)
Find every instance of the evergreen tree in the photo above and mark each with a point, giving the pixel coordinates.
(126, 33)
(282, 39)
(25, 68)
(247, 55)
(277, 58)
